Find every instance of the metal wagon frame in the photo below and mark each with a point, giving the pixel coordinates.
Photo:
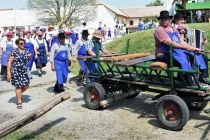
(126, 79)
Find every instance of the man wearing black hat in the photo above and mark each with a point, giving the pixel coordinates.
(202, 59)
(59, 58)
(165, 35)
(80, 50)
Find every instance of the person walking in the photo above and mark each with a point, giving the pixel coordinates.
(41, 53)
(17, 70)
(81, 51)
(109, 33)
(6, 49)
(30, 44)
(140, 25)
(60, 58)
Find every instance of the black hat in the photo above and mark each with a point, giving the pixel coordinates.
(164, 14)
(85, 32)
(179, 15)
(61, 35)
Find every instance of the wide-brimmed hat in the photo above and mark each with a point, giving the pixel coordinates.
(164, 14)
(61, 35)
(85, 32)
(97, 34)
(179, 15)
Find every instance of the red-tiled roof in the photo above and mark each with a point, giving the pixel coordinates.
(143, 12)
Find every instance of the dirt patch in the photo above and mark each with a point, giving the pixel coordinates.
(125, 119)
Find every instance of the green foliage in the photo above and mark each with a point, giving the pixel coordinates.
(155, 3)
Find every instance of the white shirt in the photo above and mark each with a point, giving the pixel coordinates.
(40, 42)
(56, 48)
(33, 41)
(49, 35)
(5, 42)
(77, 46)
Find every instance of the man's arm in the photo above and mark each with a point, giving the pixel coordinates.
(89, 47)
(52, 55)
(163, 37)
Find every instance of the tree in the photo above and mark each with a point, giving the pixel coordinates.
(61, 12)
(155, 3)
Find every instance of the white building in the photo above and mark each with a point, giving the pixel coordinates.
(108, 15)
(19, 18)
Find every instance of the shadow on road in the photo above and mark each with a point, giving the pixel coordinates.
(35, 72)
(77, 99)
(51, 90)
(135, 105)
(25, 99)
(42, 129)
(81, 90)
(155, 123)
(73, 80)
(206, 131)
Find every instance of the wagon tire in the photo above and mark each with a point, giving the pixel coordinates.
(94, 93)
(197, 106)
(172, 112)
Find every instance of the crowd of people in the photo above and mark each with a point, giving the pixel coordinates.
(19, 52)
(144, 25)
(109, 33)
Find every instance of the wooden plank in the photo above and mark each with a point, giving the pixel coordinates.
(127, 57)
(20, 121)
(110, 55)
(132, 62)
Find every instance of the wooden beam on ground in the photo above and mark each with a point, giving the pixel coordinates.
(20, 121)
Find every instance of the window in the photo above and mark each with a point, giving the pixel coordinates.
(131, 22)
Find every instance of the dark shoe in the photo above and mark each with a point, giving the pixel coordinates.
(19, 106)
(207, 110)
(204, 81)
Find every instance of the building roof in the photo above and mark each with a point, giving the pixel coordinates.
(112, 8)
(198, 6)
(143, 12)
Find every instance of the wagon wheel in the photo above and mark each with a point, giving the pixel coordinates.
(197, 106)
(172, 112)
(94, 93)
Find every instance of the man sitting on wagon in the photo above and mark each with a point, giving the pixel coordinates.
(165, 35)
(202, 60)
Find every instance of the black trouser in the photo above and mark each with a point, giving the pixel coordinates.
(58, 87)
(166, 58)
(4, 72)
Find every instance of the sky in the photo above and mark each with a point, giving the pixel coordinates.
(116, 3)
